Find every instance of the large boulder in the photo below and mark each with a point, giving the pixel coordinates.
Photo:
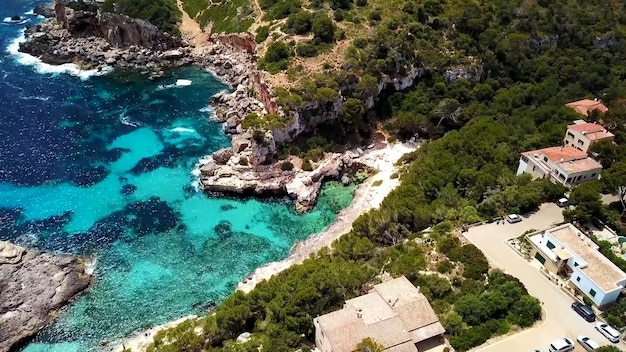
(240, 143)
(34, 286)
(222, 156)
(263, 148)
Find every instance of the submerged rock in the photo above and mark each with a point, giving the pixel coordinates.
(34, 287)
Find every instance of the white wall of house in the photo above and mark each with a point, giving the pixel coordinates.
(523, 165)
(577, 140)
(575, 178)
(584, 283)
(587, 286)
(321, 340)
(532, 167)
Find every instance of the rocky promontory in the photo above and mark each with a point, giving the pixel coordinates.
(34, 287)
(232, 173)
(96, 40)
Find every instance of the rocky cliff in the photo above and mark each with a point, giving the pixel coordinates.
(99, 40)
(250, 166)
(34, 286)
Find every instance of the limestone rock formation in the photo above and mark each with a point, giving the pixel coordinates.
(262, 180)
(121, 31)
(34, 286)
(98, 40)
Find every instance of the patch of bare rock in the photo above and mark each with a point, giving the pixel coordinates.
(34, 287)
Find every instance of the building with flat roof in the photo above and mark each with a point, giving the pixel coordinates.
(395, 314)
(567, 251)
(566, 165)
(582, 135)
(586, 106)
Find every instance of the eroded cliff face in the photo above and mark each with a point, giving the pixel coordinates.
(121, 31)
(34, 286)
(251, 165)
(104, 40)
(313, 114)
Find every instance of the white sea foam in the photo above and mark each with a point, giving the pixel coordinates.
(207, 108)
(90, 265)
(183, 130)
(183, 82)
(179, 83)
(30, 12)
(35, 97)
(124, 119)
(41, 67)
(20, 21)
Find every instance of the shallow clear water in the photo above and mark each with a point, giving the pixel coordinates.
(102, 167)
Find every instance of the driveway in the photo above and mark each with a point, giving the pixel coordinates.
(560, 320)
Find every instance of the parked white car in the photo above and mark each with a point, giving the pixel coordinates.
(587, 343)
(608, 331)
(513, 218)
(562, 345)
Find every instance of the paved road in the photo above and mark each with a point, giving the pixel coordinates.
(561, 320)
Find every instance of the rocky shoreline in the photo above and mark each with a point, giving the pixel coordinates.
(250, 166)
(34, 287)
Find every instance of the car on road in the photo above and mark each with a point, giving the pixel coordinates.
(562, 345)
(513, 218)
(562, 202)
(584, 311)
(587, 343)
(608, 331)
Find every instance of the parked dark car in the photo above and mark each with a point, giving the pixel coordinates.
(584, 311)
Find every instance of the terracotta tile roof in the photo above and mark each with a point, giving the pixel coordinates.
(389, 333)
(417, 314)
(395, 314)
(585, 106)
(557, 153)
(408, 346)
(592, 131)
(580, 165)
(343, 330)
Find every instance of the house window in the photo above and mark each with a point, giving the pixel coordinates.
(592, 293)
(577, 278)
(561, 177)
(570, 134)
(581, 142)
(545, 158)
(540, 258)
(534, 167)
(550, 245)
(593, 174)
(576, 264)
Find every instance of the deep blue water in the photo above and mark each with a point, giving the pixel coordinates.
(102, 167)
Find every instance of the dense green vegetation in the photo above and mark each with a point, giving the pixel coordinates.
(227, 16)
(497, 76)
(162, 13)
(473, 304)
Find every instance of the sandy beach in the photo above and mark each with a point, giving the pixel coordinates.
(140, 340)
(367, 196)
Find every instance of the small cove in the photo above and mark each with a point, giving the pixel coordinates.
(102, 167)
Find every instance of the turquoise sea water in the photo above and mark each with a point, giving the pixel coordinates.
(102, 167)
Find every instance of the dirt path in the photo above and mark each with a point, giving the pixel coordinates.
(190, 29)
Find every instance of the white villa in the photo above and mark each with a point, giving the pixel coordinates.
(566, 250)
(566, 165)
(395, 314)
(582, 135)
